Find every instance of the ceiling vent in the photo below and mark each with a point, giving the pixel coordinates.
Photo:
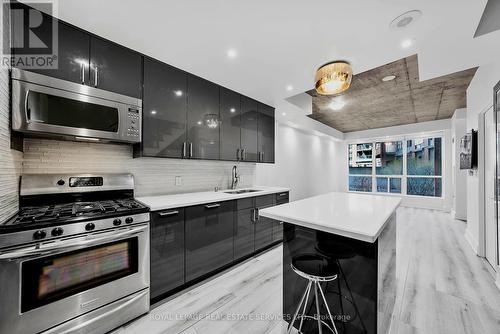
(406, 19)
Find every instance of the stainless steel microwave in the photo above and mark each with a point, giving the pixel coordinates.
(46, 106)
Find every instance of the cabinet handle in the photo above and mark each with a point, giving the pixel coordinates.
(168, 213)
(255, 215)
(243, 154)
(96, 75)
(212, 206)
(184, 150)
(82, 72)
(190, 150)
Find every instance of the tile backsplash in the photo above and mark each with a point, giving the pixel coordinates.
(152, 175)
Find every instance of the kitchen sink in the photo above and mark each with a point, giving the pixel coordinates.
(241, 191)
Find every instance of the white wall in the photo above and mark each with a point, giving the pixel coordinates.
(459, 176)
(305, 162)
(442, 127)
(479, 99)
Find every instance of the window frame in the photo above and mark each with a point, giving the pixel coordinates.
(404, 177)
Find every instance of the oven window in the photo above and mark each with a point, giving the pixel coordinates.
(49, 279)
(56, 110)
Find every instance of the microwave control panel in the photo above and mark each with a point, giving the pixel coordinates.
(134, 123)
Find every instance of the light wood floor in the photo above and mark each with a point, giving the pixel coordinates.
(443, 287)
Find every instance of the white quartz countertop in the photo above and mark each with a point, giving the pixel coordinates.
(358, 216)
(163, 202)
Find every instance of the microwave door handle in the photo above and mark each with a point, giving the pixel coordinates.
(70, 245)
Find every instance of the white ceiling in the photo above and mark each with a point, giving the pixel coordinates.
(282, 42)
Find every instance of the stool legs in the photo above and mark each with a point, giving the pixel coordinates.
(306, 293)
(327, 309)
(304, 300)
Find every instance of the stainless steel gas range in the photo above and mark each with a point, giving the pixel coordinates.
(75, 259)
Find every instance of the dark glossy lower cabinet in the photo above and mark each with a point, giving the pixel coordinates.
(187, 244)
(167, 251)
(209, 238)
(244, 228)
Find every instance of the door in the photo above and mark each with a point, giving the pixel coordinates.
(115, 68)
(209, 238)
(167, 251)
(263, 225)
(266, 133)
(230, 124)
(244, 228)
(249, 129)
(203, 118)
(73, 47)
(489, 188)
(164, 110)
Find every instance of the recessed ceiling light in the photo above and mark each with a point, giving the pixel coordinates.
(336, 104)
(232, 53)
(388, 78)
(406, 19)
(178, 93)
(405, 44)
(284, 113)
(153, 112)
(232, 110)
(289, 88)
(199, 122)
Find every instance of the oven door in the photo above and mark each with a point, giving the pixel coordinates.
(50, 283)
(56, 107)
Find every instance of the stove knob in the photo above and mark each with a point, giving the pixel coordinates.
(57, 231)
(40, 234)
(89, 227)
(61, 182)
(117, 222)
(129, 220)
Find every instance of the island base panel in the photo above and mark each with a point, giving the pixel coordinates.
(362, 296)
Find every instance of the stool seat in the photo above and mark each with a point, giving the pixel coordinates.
(315, 267)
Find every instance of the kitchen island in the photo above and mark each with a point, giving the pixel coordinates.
(356, 235)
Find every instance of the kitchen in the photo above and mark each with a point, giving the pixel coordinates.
(148, 188)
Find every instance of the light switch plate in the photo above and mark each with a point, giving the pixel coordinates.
(178, 181)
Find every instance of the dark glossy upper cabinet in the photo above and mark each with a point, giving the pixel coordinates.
(266, 134)
(203, 119)
(164, 110)
(73, 44)
(230, 114)
(115, 68)
(249, 129)
(167, 251)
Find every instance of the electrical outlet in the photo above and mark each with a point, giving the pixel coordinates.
(178, 181)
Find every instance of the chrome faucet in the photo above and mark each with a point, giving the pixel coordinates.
(235, 178)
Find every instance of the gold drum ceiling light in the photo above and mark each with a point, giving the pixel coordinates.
(333, 78)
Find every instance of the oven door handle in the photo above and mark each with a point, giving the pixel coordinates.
(69, 245)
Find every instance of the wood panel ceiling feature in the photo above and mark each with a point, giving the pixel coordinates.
(371, 103)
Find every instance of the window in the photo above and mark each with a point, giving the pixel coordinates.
(389, 161)
(411, 167)
(360, 163)
(423, 158)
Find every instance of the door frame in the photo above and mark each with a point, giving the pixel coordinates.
(482, 180)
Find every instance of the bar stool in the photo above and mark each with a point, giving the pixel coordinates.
(334, 251)
(316, 269)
